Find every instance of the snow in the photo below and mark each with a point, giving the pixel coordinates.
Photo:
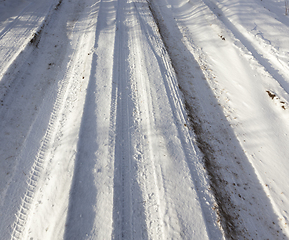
(134, 119)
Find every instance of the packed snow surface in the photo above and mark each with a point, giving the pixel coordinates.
(136, 119)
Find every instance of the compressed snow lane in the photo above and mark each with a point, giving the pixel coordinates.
(105, 150)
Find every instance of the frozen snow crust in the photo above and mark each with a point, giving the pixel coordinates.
(135, 119)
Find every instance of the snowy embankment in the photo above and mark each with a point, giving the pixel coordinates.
(20, 20)
(242, 107)
(125, 119)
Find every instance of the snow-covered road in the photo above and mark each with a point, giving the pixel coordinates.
(135, 119)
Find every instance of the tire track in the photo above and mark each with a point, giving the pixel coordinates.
(144, 121)
(165, 203)
(38, 166)
(135, 191)
(192, 154)
(41, 159)
(122, 203)
(91, 194)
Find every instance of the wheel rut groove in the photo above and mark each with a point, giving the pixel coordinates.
(122, 200)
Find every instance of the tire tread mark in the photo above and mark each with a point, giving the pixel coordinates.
(40, 161)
